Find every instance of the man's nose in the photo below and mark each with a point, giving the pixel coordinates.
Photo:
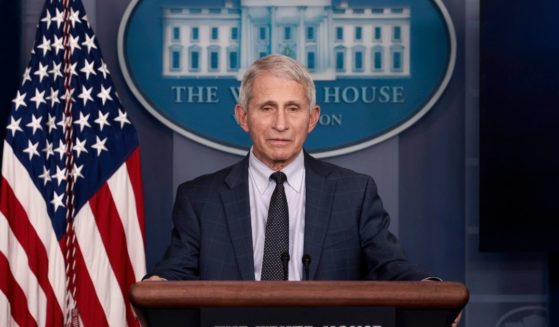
(280, 121)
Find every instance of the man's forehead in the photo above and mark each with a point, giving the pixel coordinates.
(270, 102)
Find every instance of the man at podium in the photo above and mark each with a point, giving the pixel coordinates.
(279, 213)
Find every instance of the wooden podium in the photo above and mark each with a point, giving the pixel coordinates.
(398, 304)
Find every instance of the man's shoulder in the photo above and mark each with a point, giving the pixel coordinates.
(212, 180)
(333, 171)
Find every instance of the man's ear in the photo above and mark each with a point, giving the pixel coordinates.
(241, 117)
(315, 115)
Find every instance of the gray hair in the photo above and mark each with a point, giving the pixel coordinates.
(280, 66)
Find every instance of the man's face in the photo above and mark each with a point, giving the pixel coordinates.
(278, 119)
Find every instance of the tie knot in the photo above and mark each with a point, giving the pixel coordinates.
(279, 177)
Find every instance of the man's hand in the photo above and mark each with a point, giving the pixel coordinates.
(456, 321)
(155, 278)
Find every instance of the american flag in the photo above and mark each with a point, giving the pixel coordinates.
(71, 203)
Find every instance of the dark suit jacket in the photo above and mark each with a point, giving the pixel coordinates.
(346, 228)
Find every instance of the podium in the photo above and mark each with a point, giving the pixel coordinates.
(305, 303)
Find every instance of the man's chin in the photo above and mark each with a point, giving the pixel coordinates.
(278, 158)
(280, 161)
(282, 155)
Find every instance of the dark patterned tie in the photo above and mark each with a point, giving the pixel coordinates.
(276, 243)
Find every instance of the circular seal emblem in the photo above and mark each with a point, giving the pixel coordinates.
(379, 66)
(533, 316)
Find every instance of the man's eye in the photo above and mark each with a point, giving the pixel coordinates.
(293, 108)
(266, 108)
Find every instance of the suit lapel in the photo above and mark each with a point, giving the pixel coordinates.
(236, 203)
(319, 198)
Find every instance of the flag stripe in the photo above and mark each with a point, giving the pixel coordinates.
(35, 208)
(98, 267)
(30, 242)
(135, 174)
(111, 232)
(6, 318)
(123, 196)
(16, 283)
(36, 299)
(90, 309)
(10, 287)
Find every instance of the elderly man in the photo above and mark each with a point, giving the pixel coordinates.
(279, 213)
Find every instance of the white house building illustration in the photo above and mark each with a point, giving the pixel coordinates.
(332, 41)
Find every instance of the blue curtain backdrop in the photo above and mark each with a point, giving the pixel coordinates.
(10, 57)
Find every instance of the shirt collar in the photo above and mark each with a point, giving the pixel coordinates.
(260, 173)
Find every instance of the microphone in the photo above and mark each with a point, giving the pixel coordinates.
(284, 260)
(306, 265)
